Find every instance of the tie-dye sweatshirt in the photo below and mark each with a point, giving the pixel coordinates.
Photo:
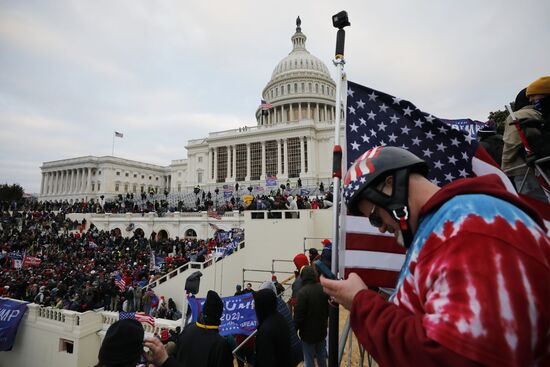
(474, 289)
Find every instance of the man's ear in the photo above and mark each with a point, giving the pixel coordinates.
(389, 181)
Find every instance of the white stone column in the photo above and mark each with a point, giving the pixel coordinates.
(308, 110)
(234, 175)
(309, 154)
(82, 180)
(302, 157)
(71, 181)
(247, 161)
(285, 155)
(228, 174)
(61, 181)
(62, 177)
(215, 164)
(57, 182)
(46, 183)
(326, 113)
(209, 165)
(283, 114)
(262, 177)
(300, 111)
(317, 113)
(68, 182)
(78, 181)
(42, 183)
(75, 184)
(51, 183)
(279, 173)
(88, 180)
(291, 112)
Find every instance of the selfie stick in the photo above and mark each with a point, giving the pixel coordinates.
(339, 21)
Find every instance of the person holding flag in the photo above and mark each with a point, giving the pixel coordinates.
(475, 286)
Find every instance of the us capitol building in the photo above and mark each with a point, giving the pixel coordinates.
(292, 138)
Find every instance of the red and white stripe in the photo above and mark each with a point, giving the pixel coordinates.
(144, 318)
(375, 257)
(362, 165)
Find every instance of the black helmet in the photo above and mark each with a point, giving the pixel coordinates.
(371, 168)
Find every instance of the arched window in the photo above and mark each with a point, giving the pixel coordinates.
(295, 87)
(316, 88)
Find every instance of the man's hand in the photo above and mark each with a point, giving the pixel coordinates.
(157, 353)
(343, 291)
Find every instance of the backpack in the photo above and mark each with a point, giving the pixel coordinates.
(537, 133)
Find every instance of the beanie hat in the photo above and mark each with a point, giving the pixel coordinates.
(326, 242)
(300, 261)
(239, 287)
(273, 277)
(123, 343)
(313, 251)
(268, 285)
(212, 309)
(539, 86)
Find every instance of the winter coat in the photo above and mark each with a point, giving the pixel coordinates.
(273, 337)
(311, 312)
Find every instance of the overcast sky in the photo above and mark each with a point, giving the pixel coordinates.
(164, 72)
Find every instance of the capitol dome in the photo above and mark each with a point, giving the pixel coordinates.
(300, 88)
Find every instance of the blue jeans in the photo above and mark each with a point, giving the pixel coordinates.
(315, 351)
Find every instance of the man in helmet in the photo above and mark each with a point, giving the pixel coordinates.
(475, 285)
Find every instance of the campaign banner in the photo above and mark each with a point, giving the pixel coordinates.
(31, 261)
(271, 181)
(16, 260)
(11, 313)
(227, 194)
(468, 125)
(304, 192)
(239, 316)
(223, 235)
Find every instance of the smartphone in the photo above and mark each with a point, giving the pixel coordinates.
(324, 270)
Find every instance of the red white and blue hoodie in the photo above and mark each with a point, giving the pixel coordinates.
(474, 288)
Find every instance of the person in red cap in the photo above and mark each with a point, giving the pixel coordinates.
(278, 286)
(300, 261)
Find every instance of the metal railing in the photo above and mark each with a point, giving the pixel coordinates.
(188, 265)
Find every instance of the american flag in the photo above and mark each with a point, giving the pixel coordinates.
(264, 105)
(213, 214)
(119, 135)
(376, 119)
(139, 316)
(119, 282)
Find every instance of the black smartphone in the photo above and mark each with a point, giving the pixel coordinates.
(327, 273)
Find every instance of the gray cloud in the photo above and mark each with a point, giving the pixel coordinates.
(164, 72)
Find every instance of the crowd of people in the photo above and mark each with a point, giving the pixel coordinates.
(238, 198)
(51, 260)
(285, 336)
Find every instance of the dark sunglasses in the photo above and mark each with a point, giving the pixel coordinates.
(374, 219)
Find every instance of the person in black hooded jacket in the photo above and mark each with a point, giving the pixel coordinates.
(200, 344)
(311, 318)
(273, 338)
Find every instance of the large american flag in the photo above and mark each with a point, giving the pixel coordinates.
(139, 316)
(375, 119)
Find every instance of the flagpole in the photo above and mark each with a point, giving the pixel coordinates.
(113, 147)
(339, 21)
